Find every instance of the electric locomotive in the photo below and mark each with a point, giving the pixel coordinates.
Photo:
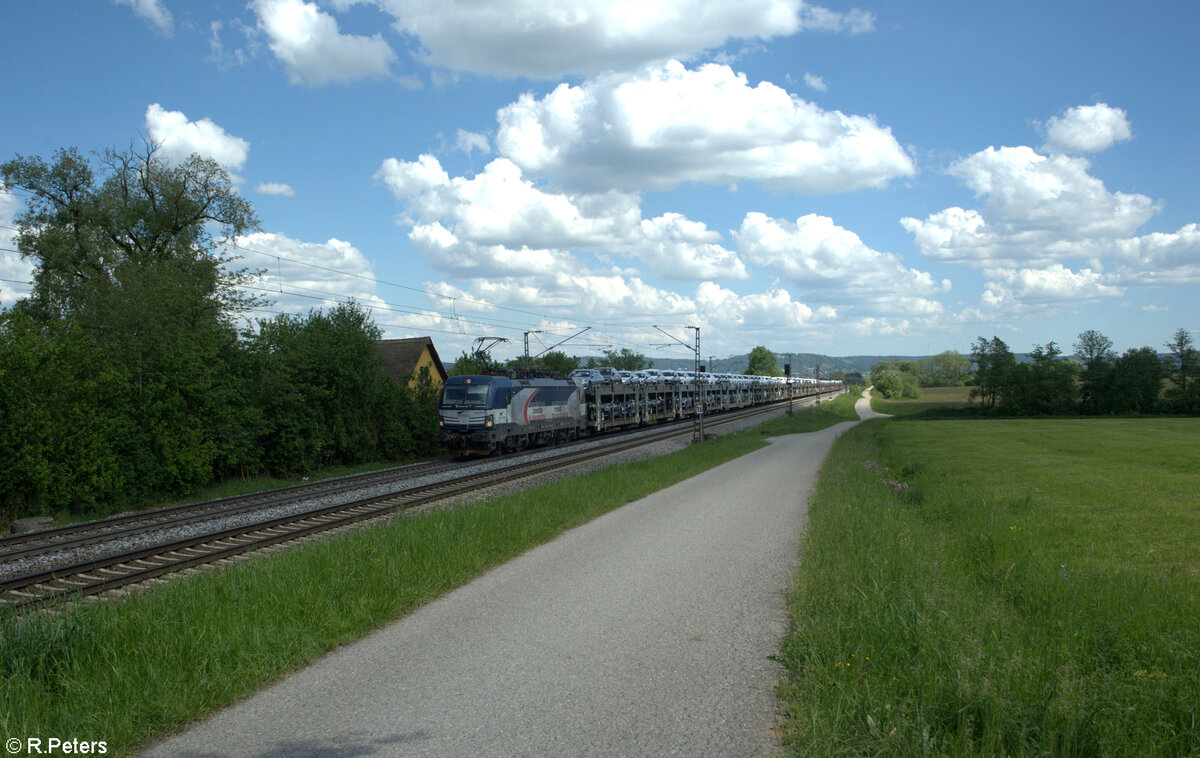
(485, 414)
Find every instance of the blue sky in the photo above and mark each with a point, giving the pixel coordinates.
(845, 178)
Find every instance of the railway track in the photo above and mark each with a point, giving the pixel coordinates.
(72, 536)
(103, 574)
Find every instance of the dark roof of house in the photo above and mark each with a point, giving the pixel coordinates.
(400, 357)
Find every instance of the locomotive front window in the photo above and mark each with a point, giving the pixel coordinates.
(465, 394)
(477, 394)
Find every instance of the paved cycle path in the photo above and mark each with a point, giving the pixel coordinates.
(647, 631)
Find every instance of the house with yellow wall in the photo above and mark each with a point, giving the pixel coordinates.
(405, 358)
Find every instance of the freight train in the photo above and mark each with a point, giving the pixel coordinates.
(485, 415)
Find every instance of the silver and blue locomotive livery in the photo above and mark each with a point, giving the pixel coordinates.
(487, 414)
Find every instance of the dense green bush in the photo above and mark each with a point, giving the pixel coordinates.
(324, 398)
(79, 433)
(895, 379)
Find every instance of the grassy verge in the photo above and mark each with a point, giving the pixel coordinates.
(1015, 587)
(930, 401)
(127, 672)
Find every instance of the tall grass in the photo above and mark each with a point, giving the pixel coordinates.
(132, 670)
(1012, 588)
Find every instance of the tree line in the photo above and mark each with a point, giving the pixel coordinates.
(127, 374)
(1100, 382)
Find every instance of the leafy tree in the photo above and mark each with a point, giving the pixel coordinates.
(1096, 379)
(127, 262)
(889, 384)
(626, 360)
(1093, 347)
(558, 363)
(762, 362)
(1097, 394)
(470, 364)
(1136, 382)
(552, 364)
(1044, 386)
(1183, 348)
(1184, 396)
(123, 375)
(147, 222)
(993, 364)
(946, 369)
(895, 379)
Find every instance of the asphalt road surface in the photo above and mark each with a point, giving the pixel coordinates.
(646, 632)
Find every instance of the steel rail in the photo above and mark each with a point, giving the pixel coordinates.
(71, 536)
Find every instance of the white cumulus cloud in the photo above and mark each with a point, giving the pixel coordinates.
(554, 38)
(819, 256)
(955, 235)
(469, 259)
(1160, 258)
(666, 124)
(498, 220)
(1049, 232)
(1038, 209)
(675, 247)
(1087, 129)
(1028, 191)
(179, 138)
(309, 44)
(1053, 284)
(724, 309)
(299, 276)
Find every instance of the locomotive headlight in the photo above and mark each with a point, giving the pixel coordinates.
(488, 423)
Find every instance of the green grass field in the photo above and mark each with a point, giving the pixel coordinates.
(929, 401)
(1001, 587)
